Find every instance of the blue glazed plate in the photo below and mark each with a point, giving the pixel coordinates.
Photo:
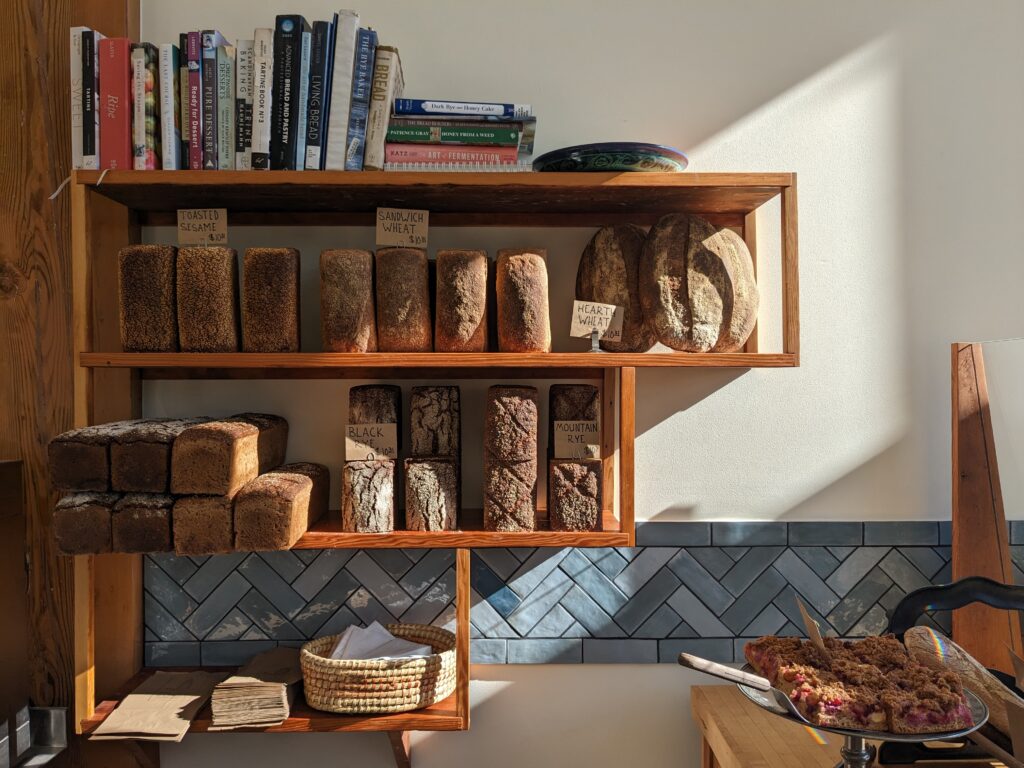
(612, 156)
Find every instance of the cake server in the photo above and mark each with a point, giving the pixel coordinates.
(758, 688)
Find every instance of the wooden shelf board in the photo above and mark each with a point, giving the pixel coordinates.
(442, 716)
(449, 195)
(422, 364)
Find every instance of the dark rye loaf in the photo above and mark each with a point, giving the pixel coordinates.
(572, 402)
(431, 494)
(81, 523)
(203, 525)
(207, 290)
(368, 496)
(270, 300)
(146, 288)
(697, 285)
(348, 321)
(140, 454)
(274, 510)
(435, 421)
(524, 323)
(609, 274)
(510, 459)
(461, 316)
(142, 523)
(79, 460)
(574, 494)
(403, 301)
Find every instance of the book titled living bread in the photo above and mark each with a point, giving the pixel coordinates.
(359, 111)
(243, 104)
(170, 108)
(262, 97)
(387, 86)
(286, 110)
(346, 29)
(319, 72)
(145, 132)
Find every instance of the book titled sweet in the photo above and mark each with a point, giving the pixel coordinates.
(435, 107)
(170, 108)
(262, 97)
(506, 135)
(388, 83)
(243, 104)
(425, 153)
(145, 133)
(115, 103)
(286, 109)
(362, 85)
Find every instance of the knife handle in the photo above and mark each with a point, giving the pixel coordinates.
(725, 673)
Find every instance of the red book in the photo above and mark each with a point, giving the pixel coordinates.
(115, 103)
(194, 57)
(456, 154)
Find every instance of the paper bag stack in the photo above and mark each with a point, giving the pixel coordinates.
(260, 695)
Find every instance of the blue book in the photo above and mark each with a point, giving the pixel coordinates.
(359, 111)
(461, 108)
(318, 61)
(303, 103)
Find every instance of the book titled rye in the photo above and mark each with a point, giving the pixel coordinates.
(211, 40)
(262, 97)
(115, 103)
(387, 86)
(285, 107)
(145, 87)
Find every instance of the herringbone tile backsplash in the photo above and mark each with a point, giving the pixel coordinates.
(699, 587)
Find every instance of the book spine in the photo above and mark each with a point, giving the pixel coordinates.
(359, 112)
(182, 100)
(209, 96)
(325, 116)
(243, 104)
(284, 120)
(318, 60)
(195, 104)
(302, 105)
(263, 67)
(424, 153)
(170, 109)
(138, 64)
(90, 106)
(485, 135)
(75, 61)
(115, 100)
(225, 107)
(428, 107)
(346, 30)
(387, 86)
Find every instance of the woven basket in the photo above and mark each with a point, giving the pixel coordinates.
(397, 685)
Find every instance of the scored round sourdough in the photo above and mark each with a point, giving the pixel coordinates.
(697, 285)
(348, 321)
(524, 323)
(403, 301)
(937, 651)
(609, 272)
(461, 317)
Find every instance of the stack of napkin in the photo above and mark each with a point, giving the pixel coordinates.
(375, 642)
(260, 695)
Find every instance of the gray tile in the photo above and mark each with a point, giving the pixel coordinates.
(748, 534)
(540, 601)
(162, 624)
(675, 534)
(576, 630)
(642, 568)
(825, 534)
(924, 559)
(946, 553)
(394, 561)
(891, 599)
(854, 568)
(488, 584)
(751, 602)
(368, 608)
(683, 630)
(172, 654)
(628, 553)
(560, 651)
(320, 571)
(287, 565)
(945, 621)
(535, 569)
(599, 587)
(216, 606)
(902, 533)
(254, 633)
(338, 622)
(433, 601)
(415, 554)
(749, 567)
(842, 552)
(903, 572)
(268, 617)
(211, 573)
(233, 653)
(574, 562)
(945, 576)
(768, 622)
(607, 559)
(554, 623)
(660, 624)
(713, 559)
(379, 583)
(166, 590)
(785, 601)
(499, 560)
(590, 614)
(446, 618)
(148, 636)
(307, 556)
(620, 651)
(489, 621)
(859, 600)
(418, 579)
(178, 568)
(806, 582)
(522, 552)
(692, 574)
(790, 630)
(873, 622)
(945, 533)
(1016, 532)
(735, 552)
(822, 561)
(719, 650)
(696, 614)
(474, 633)
(325, 603)
(286, 600)
(488, 652)
(647, 600)
(231, 627)
(738, 644)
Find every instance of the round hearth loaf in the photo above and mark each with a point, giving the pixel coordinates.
(697, 285)
(608, 273)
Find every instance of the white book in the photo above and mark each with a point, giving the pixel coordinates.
(170, 108)
(263, 77)
(244, 51)
(138, 61)
(76, 96)
(226, 107)
(388, 84)
(336, 141)
(303, 103)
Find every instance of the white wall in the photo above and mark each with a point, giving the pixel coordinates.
(902, 120)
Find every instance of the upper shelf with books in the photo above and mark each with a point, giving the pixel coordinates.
(453, 199)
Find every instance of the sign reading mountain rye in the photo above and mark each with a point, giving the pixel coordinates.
(402, 227)
(366, 442)
(577, 440)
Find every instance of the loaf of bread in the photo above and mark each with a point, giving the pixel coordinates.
(348, 321)
(574, 495)
(145, 285)
(403, 301)
(573, 402)
(270, 300)
(609, 273)
(510, 459)
(142, 523)
(431, 494)
(218, 457)
(461, 315)
(435, 422)
(274, 510)
(375, 404)
(368, 496)
(697, 285)
(207, 290)
(81, 523)
(524, 324)
(79, 460)
(140, 454)
(203, 525)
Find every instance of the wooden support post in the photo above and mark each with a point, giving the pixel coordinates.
(790, 274)
(750, 238)
(400, 747)
(980, 536)
(627, 434)
(609, 445)
(462, 602)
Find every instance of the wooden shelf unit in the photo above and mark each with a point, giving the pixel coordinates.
(108, 210)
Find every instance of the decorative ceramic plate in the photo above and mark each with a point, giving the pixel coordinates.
(613, 156)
